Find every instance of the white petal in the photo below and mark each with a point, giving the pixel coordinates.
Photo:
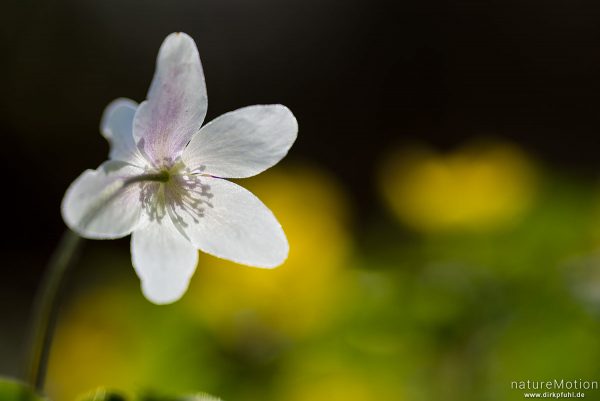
(176, 103)
(99, 204)
(227, 221)
(117, 127)
(242, 143)
(164, 261)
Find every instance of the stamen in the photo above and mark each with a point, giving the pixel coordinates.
(176, 191)
(186, 197)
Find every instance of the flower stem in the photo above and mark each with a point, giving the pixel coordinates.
(46, 307)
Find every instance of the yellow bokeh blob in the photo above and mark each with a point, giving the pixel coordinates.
(292, 299)
(91, 348)
(479, 187)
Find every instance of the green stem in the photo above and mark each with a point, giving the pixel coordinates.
(46, 307)
(48, 298)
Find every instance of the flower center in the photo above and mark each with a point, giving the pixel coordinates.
(161, 176)
(175, 191)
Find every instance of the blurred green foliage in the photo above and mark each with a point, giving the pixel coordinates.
(109, 395)
(453, 311)
(102, 395)
(13, 390)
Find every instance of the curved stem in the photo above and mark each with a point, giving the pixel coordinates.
(48, 297)
(46, 308)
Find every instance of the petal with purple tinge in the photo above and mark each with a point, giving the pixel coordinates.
(176, 103)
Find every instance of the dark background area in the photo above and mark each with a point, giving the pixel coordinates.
(359, 75)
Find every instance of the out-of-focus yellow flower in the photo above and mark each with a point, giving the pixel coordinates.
(91, 349)
(479, 187)
(111, 337)
(294, 298)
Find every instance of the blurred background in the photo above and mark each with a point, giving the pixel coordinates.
(442, 201)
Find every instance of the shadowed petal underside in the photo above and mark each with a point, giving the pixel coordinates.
(99, 204)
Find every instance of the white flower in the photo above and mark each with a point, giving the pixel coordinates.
(164, 183)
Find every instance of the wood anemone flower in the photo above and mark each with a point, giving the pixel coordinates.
(165, 180)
